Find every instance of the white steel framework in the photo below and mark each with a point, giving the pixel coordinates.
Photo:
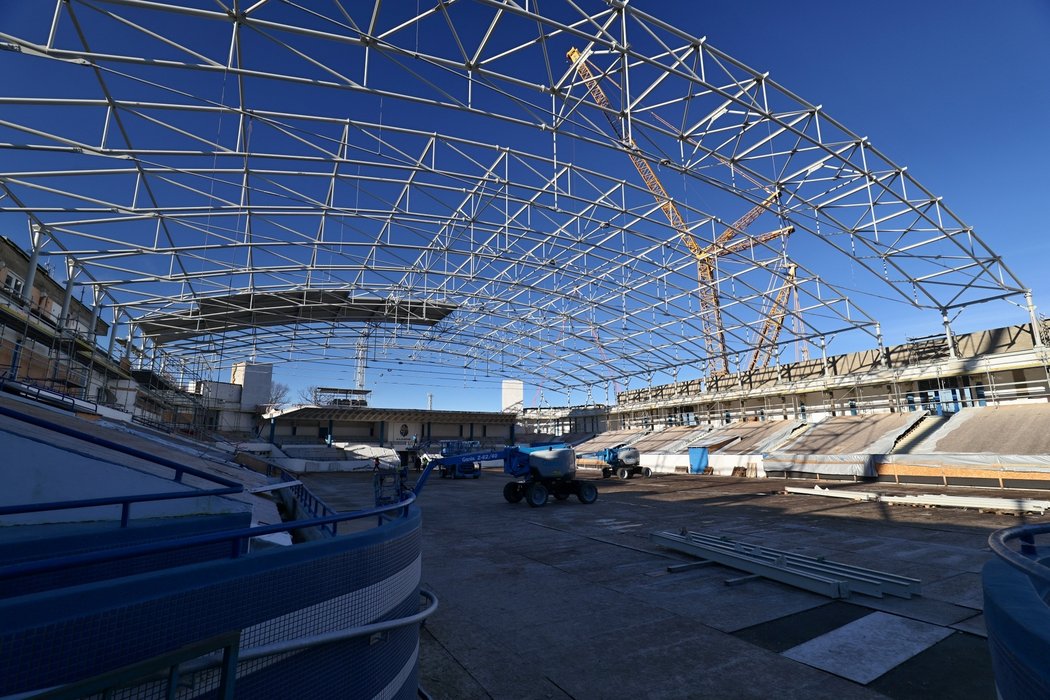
(207, 157)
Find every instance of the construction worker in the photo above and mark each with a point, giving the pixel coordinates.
(375, 464)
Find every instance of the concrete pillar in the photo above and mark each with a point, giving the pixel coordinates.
(948, 334)
(1037, 328)
(37, 238)
(883, 360)
(72, 269)
(96, 309)
(824, 354)
(113, 331)
(127, 345)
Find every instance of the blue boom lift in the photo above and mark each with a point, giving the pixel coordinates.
(622, 460)
(539, 472)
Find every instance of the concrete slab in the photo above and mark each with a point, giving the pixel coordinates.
(917, 559)
(790, 631)
(1022, 429)
(962, 589)
(959, 666)
(732, 608)
(840, 435)
(973, 625)
(867, 648)
(679, 660)
(573, 600)
(935, 612)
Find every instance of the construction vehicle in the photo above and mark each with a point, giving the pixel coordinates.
(539, 472)
(621, 460)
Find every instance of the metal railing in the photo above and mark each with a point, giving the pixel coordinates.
(167, 667)
(202, 657)
(1027, 559)
(234, 538)
(163, 426)
(306, 499)
(43, 394)
(124, 502)
(225, 486)
(179, 468)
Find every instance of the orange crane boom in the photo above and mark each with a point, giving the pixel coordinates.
(767, 337)
(710, 307)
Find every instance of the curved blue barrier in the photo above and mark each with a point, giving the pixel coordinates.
(1017, 612)
(322, 590)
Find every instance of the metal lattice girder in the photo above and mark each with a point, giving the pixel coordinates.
(186, 156)
(817, 574)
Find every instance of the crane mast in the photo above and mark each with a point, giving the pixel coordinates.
(774, 322)
(710, 307)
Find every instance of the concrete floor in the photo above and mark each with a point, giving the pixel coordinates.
(575, 601)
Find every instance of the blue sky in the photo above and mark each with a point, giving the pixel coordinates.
(957, 91)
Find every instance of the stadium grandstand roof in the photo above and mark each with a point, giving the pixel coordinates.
(284, 181)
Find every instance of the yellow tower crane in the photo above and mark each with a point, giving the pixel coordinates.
(765, 345)
(710, 308)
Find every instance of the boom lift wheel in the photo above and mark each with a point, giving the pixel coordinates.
(647, 472)
(587, 492)
(512, 491)
(536, 494)
(623, 473)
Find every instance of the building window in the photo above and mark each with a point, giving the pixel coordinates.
(13, 283)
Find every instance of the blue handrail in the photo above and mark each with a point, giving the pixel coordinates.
(233, 537)
(228, 486)
(1026, 559)
(123, 501)
(306, 498)
(179, 469)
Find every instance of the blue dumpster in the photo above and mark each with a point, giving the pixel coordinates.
(697, 460)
